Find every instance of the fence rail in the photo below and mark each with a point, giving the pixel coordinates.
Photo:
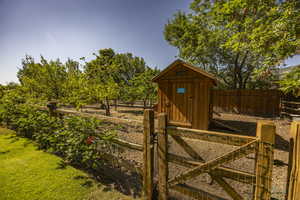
(147, 148)
(290, 109)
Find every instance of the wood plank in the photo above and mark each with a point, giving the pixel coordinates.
(211, 136)
(291, 102)
(294, 179)
(236, 175)
(228, 189)
(128, 165)
(264, 161)
(190, 151)
(217, 162)
(100, 117)
(187, 148)
(127, 144)
(162, 151)
(148, 154)
(195, 192)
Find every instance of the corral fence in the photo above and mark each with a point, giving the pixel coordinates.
(260, 146)
(147, 148)
(251, 102)
(116, 103)
(157, 158)
(290, 109)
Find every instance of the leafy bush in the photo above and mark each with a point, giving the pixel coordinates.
(291, 82)
(74, 138)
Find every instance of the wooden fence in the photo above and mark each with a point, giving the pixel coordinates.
(147, 148)
(251, 102)
(261, 146)
(290, 109)
(293, 186)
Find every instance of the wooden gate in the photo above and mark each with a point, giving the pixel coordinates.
(261, 146)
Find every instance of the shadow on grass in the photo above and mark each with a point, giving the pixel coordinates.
(61, 165)
(13, 138)
(249, 129)
(4, 152)
(112, 178)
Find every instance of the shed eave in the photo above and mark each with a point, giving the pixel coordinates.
(187, 65)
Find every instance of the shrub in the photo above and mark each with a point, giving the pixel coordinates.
(74, 138)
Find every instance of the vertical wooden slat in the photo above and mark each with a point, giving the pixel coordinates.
(294, 162)
(253, 102)
(264, 163)
(148, 153)
(162, 151)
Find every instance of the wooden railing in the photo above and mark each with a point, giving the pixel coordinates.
(290, 109)
(147, 147)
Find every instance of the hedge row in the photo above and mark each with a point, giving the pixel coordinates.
(73, 138)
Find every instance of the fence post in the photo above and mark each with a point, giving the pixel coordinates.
(265, 132)
(162, 151)
(148, 153)
(293, 188)
(52, 106)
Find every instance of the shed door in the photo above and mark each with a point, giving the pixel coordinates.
(181, 103)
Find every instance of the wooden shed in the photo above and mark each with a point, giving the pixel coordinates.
(184, 94)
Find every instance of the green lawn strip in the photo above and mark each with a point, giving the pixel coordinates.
(30, 174)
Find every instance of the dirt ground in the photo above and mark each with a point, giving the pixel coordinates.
(246, 124)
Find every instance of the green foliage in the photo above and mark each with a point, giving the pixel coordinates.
(74, 138)
(237, 40)
(291, 82)
(142, 88)
(108, 76)
(43, 80)
(9, 106)
(111, 76)
(30, 174)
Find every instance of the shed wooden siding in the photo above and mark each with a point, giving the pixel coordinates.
(252, 102)
(190, 109)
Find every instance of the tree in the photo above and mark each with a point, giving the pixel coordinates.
(43, 80)
(100, 74)
(110, 75)
(291, 82)
(142, 88)
(75, 87)
(239, 41)
(127, 67)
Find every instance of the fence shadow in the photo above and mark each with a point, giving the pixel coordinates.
(114, 178)
(135, 112)
(249, 129)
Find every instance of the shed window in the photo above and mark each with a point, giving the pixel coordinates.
(180, 90)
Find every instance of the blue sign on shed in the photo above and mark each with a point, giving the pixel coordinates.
(180, 90)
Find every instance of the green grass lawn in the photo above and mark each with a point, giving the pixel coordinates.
(30, 174)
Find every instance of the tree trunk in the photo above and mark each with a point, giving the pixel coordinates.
(116, 104)
(145, 103)
(107, 108)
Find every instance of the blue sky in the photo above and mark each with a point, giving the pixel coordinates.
(76, 28)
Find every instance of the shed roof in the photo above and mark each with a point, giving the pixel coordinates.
(187, 65)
